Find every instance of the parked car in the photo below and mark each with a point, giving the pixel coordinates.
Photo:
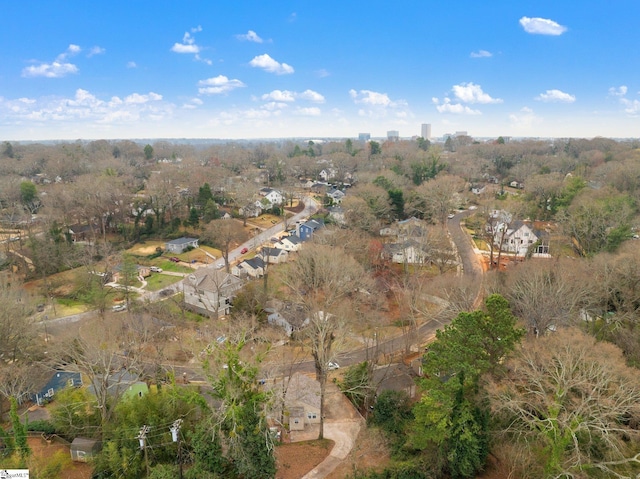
(332, 366)
(155, 269)
(174, 259)
(244, 250)
(119, 307)
(450, 215)
(275, 239)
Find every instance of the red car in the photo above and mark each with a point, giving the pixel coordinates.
(174, 259)
(244, 250)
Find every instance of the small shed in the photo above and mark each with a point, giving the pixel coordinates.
(83, 449)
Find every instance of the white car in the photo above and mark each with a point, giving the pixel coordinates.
(332, 366)
(119, 307)
(155, 269)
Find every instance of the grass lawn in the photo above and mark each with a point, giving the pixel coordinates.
(158, 281)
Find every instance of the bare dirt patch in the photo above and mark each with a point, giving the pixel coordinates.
(295, 459)
(43, 452)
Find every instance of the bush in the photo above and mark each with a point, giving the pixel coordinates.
(42, 425)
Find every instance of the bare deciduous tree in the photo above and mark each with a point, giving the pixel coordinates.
(576, 400)
(330, 286)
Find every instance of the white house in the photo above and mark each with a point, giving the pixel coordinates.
(274, 196)
(408, 252)
(253, 267)
(289, 243)
(274, 255)
(519, 237)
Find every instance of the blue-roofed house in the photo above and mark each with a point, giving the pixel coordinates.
(180, 245)
(58, 381)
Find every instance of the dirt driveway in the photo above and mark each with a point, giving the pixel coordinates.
(342, 425)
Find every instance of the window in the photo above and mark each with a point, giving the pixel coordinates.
(311, 415)
(296, 421)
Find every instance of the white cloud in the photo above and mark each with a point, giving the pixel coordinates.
(137, 98)
(312, 96)
(192, 104)
(542, 26)
(618, 91)
(312, 111)
(190, 46)
(218, 85)
(322, 73)
(280, 96)
(274, 106)
(50, 70)
(378, 105)
(455, 108)
(250, 36)
(290, 96)
(524, 120)
(472, 93)
(632, 107)
(369, 97)
(272, 66)
(558, 96)
(185, 48)
(85, 107)
(132, 64)
(58, 68)
(96, 51)
(481, 54)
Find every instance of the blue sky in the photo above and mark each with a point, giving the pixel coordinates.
(272, 69)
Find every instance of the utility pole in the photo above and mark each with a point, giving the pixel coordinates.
(142, 437)
(175, 436)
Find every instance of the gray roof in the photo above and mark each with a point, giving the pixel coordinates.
(181, 241)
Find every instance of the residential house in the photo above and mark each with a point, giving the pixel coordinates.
(274, 255)
(519, 237)
(180, 245)
(336, 195)
(252, 210)
(209, 292)
(274, 196)
(306, 230)
(516, 184)
(253, 267)
(478, 189)
(56, 383)
(409, 252)
(411, 228)
(289, 243)
(303, 392)
(288, 316)
(327, 174)
(80, 232)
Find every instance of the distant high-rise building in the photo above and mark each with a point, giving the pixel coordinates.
(393, 135)
(426, 131)
(364, 136)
